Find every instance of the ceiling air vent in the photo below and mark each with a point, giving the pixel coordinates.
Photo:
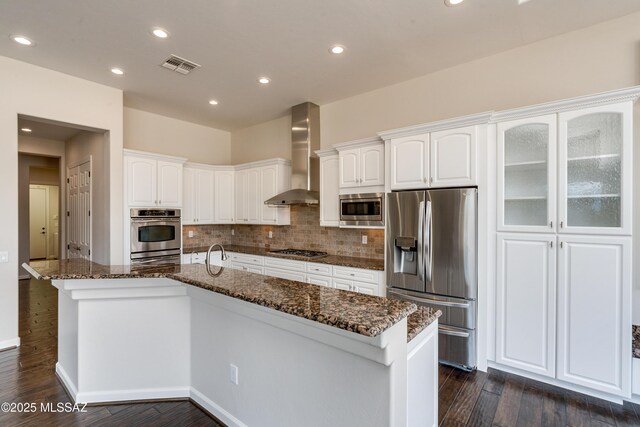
(179, 65)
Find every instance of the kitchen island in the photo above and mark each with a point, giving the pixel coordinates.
(250, 349)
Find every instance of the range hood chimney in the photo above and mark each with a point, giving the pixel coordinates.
(305, 166)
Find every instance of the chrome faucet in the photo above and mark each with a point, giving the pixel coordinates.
(208, 258)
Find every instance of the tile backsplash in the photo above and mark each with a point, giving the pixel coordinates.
(303, 233)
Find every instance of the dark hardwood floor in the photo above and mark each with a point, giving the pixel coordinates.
(466, 399)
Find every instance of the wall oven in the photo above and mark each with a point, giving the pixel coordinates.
(364, 210)
(156, 236)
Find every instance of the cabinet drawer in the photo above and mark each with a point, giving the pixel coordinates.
(247, 267)
(365, 288)
(320, 280)
(246, 258)
(368, 276)
(287, 264)
(285, 274)
(345, 285)
(319, 269)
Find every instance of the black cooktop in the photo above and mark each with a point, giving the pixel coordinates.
(299, 252)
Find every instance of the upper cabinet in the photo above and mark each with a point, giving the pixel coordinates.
(208, 194)
(152, 180)
(329, 188)
(361, 166)
(257, 182)
(439, 154)
(580, 158)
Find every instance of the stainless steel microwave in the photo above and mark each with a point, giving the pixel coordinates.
(363, 210)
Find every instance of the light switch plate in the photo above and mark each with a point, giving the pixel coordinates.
(233, 374)
(190, 233)
(271, 234)
(4, 256)
(364, 239)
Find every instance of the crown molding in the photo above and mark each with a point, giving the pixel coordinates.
(326, 152)
(193, 165)
(259, 163)
(603, 98)
(457, 122)
(156, 156)
(358, 143)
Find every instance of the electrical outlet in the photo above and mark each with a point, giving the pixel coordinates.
(233, 232)
(271, 234)
(233, 374)
(364, 239)
(4, 256)
(190, 233)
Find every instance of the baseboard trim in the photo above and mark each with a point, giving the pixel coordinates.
(214, 409)
(23, 277)
(8, 344)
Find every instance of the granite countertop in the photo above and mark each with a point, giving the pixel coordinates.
(635, 330)
(419, 320)
(344, 261)
(363, 314)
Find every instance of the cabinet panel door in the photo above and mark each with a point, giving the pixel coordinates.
(345, 285)
(169, 184)
(241, 194)
(329, 190)
(285, 274)
(526, 302)
(409, 164)
(204, 196)
(254, 205)
(320, 280)
(268, 189)
(365, 288)
(142, 182)
(453, 157)
(224, 197)
(526, 175)
(595, 170)
(372, 165)
(189, 194)
(594, 312)
(350, 168)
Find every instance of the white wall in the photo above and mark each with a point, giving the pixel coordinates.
(78, 150)
(263, 141)
(164, 135)
(38, 92)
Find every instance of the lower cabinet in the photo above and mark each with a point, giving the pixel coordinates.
(247, 267)
(564, 308)
(320, 280)
(285, 274)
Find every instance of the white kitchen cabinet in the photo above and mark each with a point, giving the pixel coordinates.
(342, 284)
(453, 157)
(361, 165)
(199, 195)
(594, 312)
(285, 274)
(325, 281)
(526, 302)
(409, 163)
(224, 196)
(152, 180)
(527, 174)
(250, 268)
(257, 182)
(595, 170)
(329, 188)
(319, 269)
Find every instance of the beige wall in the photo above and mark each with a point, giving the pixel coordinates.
(34, 91)
(595, 59)
(78, 150)
(264, 141)
(164, 135)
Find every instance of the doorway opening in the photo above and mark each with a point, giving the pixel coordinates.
(44, 220)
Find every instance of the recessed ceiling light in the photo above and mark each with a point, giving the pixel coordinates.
(117, 71)
(337, 49)
(213, 102)
(22, 40)
(160, 33)
(27, 130)
(264, 80)
(452, 2)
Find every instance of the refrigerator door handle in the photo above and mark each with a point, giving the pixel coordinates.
(429, 243)
(453, 332)
(430, 301)
(420, 242)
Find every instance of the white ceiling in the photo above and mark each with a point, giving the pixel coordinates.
(388, 41)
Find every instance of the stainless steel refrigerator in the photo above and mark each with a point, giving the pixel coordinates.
(432, 261)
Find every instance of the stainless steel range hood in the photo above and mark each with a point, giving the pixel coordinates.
(305, 166)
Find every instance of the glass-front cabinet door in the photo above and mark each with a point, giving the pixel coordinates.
(594, 192)
(527, 174)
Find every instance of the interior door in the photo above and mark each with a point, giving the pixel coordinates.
(79, 211)
(37, 222)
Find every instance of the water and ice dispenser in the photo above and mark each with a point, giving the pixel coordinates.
(405, 255)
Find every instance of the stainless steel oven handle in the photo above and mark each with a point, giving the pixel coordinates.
(444, 330)
(151, 260)
(431, 300)
(420, 253)
(168, 220)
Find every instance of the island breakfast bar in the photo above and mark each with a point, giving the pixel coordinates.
(249, 349)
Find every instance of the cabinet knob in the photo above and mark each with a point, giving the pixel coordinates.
(551, 244)
(561, 225)
(561, 245)
(155, 201)
(551, 224)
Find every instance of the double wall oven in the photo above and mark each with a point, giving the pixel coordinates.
(156, 236)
